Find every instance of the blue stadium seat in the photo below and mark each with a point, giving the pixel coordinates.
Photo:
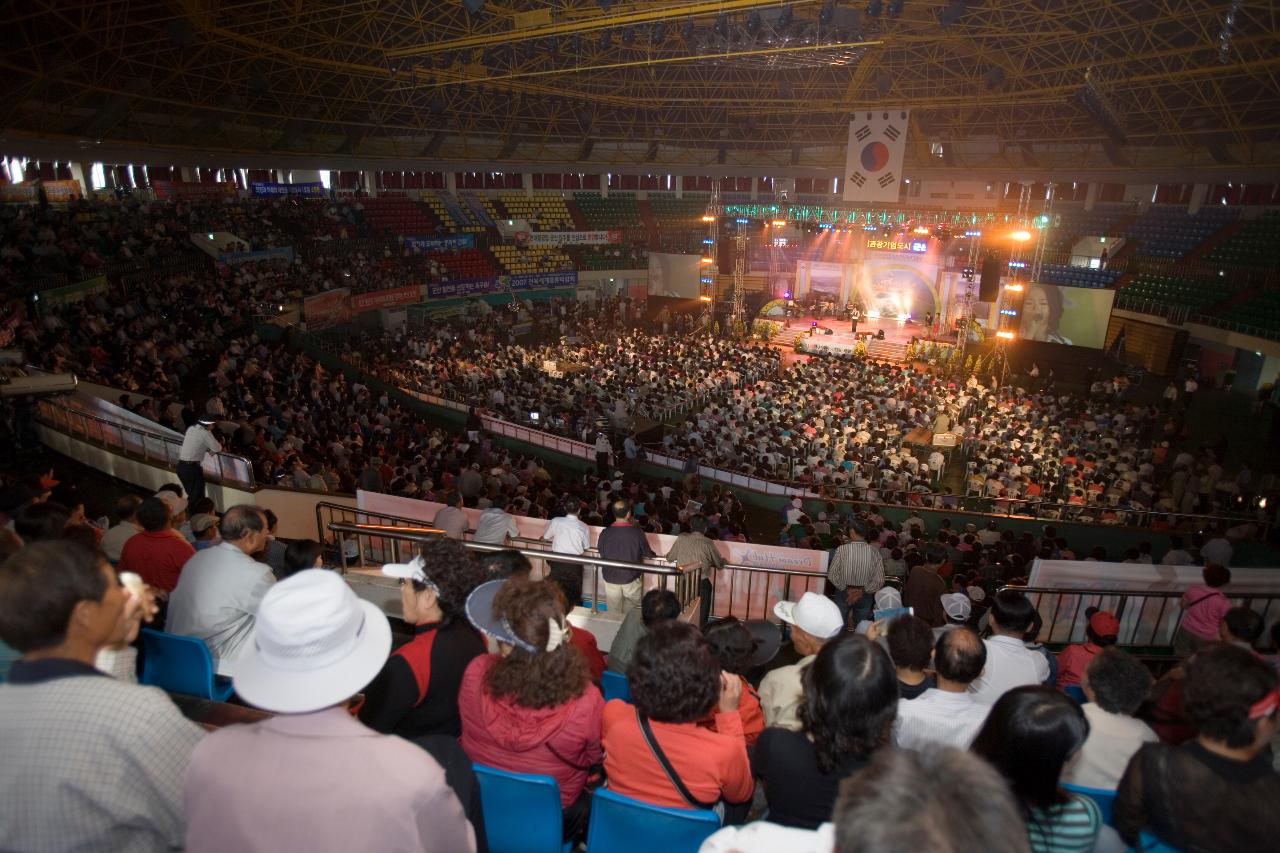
(181, 665)
(1076, 692)
(522, 812)
(622, 825)
(614, 686)
(1105, 799)
(1148, 843)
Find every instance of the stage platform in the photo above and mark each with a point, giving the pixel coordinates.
(842, 340)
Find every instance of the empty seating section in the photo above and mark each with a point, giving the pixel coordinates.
(1072, 224)
(1253, 245)
(515, 259)
(1077, 276)
(465, 263)
(544, 211)
(1195, 293)
(1169, 232)
(497, 212)
(399, 216)
(612, 257)
(1261, 311)
(455, 215)
(619, 210)
(672, 212)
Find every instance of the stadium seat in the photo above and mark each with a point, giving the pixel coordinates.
(1105, 799)
(1148, 843)
(522, 812)
(1076, 692)
(181, 665)
(614, 686)
(622, 825)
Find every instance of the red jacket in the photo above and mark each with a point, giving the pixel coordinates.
(562, 742)
(585, 642)
(158, 556)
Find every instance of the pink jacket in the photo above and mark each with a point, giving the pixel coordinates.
(562, 742)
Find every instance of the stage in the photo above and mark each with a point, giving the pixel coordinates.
(842, 340)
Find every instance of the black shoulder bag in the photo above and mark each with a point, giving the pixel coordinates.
(647, 731)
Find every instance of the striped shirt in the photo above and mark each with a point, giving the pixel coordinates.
(1072, 827)
(857, 564)
(940, 718)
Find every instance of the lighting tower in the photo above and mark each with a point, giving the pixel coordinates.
(1045, 222)
(738, 311)
(711, 250)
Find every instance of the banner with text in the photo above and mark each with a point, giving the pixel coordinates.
(67, 294)
(538, 280)
(326, 309)
(272, 189)
(573, 238)
(23, 193)
(391, 298)
(445, 243)
(62, 191)
(466, 287)
(192, 190)
(278, 253)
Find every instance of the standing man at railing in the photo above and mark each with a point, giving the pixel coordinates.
(197, 442)
(567, 535)
(857, 574)
(624, 542)
(693, 546)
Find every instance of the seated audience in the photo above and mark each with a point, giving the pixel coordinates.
(925, 587)
(1101, 631)
(114, 538)
(1029, 736)
(531, 708)
(1203, 606)
(450, 518)
(948, 713)
(1115, 683)
(1241, 626)
(312, 775)
(416, 693)
(738, 648)
(506, 564)
(850, 697)
(86, 762)
(814, 620)
(273, 551)
(220, 588)
(302, 554)
(204, 527)
(1219, 790)
(657, 606)
(675, 682)
(159, 552)
(1009, 662)
(910, 643)
(958, 607)
(581, 638)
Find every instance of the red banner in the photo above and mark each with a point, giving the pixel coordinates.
(392, 298)
(62, 191)
(327, 309)
(192, 190)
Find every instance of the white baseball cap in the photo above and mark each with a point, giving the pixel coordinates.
(957, 606)
(814, 614)
(315, 645)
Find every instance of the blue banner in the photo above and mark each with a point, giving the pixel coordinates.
(446, 243)
(271, 189)
(468, 287)
(539, 280)
(280, 253)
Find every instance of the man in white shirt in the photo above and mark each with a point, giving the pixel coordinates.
(814, 620)
(948, 714)
(495, 525)
(220, 588)
(1010, 663)
(196, 443)
(567, 535)
(1115, 684)
(113, 540)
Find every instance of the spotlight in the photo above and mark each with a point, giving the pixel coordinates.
(1005, 335)
(1020, 236)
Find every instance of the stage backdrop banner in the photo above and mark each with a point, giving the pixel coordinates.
(1066, 315)
(1059, 609)
(327, 309)
(894, 284)
(742, 594)
(873, 161)
(674, 275)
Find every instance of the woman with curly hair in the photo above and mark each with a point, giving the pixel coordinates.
(531, 708)
(847, 711)
(675, 682)
(416, 693)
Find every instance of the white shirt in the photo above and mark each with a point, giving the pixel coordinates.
(196, 443)
(217, 600)
(1010, 664)
(938, 717)
(567, 535)
(1112, 741)
(113, 540)
(494, 526)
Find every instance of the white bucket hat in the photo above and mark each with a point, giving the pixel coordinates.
(315, 645)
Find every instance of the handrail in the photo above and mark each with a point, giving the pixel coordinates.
(226, 468)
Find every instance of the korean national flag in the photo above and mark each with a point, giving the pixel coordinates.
(873, 165)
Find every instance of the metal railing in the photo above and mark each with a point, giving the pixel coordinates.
(1148, 618)
(381, 538)
(134, 441)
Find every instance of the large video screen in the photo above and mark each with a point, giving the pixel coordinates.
(674, 275)
(1066, 315)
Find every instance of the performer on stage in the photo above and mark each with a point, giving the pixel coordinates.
(854, 316)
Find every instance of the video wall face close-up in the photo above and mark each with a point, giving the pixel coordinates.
(1066, 315)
